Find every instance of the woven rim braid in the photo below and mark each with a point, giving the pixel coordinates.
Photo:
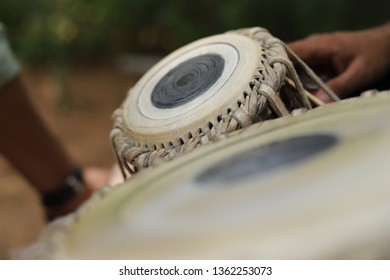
(259, 101)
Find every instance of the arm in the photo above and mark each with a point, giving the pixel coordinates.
(27, 142)
(358, 59)
(29, 145)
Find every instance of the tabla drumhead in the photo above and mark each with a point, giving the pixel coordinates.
(311, 186)
(186, 90)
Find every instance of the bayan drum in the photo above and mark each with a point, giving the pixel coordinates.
(310, 186)
(204, 90)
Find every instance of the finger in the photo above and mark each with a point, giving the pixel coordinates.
(323, 96)
(344, 84)
(348, 81)
(313, 51)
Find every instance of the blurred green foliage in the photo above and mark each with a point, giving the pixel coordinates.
(56, 31)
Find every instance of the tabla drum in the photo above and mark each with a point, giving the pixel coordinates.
(311, 186)
(204, 90)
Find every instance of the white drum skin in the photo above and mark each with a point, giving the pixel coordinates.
(144, 122)
(322, 201)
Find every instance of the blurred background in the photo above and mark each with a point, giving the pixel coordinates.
(58, 31)
(81, 56)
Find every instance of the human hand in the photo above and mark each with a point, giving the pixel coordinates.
(96, 178)
(358, 59)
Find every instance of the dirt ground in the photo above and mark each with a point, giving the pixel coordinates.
(77, 104)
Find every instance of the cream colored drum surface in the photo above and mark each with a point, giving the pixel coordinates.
(202, 91)
(312, 186)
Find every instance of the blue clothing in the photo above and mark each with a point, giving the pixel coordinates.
(9, 66)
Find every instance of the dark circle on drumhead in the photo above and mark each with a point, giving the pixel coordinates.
(187, 81)
(264, 159)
